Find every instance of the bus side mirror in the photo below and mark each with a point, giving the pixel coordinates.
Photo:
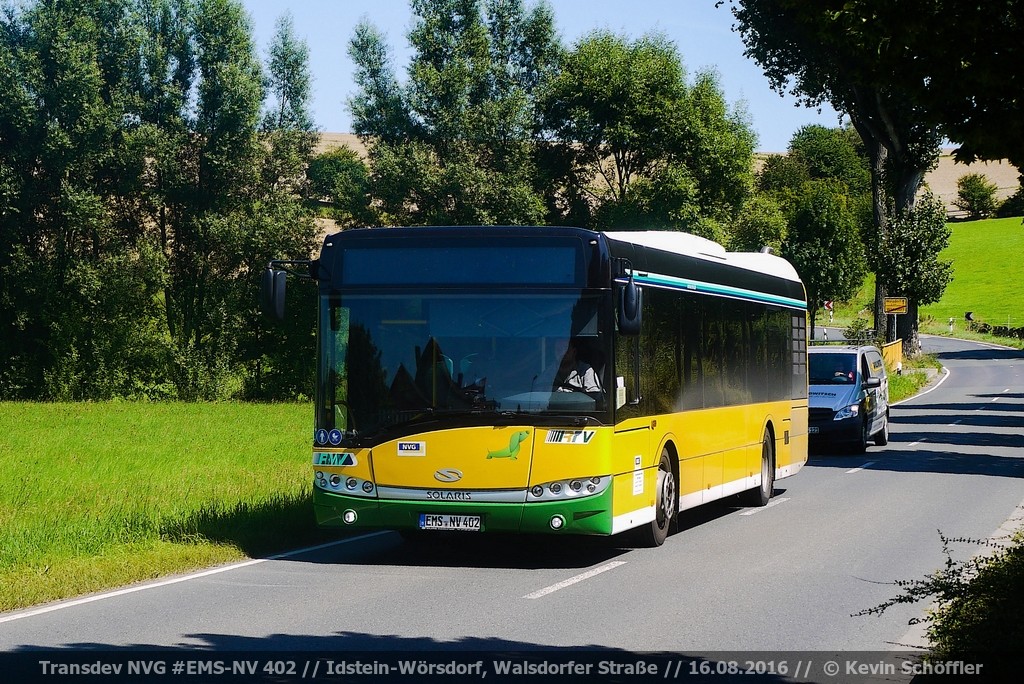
(630, 308)
(272, 289)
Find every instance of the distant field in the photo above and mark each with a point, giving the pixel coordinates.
(987, 278)
(94, 495)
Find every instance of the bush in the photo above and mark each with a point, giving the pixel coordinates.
(1012, 205)
(976, 195)
(978, 602)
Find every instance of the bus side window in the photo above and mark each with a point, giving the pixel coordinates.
(627, 351)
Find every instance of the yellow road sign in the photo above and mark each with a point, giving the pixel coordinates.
(896, 305)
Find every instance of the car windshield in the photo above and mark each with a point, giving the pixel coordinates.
(832, 368)
(393, 359)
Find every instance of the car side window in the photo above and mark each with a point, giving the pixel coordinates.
(876, 363)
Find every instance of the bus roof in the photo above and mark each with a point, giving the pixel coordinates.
(708, 250)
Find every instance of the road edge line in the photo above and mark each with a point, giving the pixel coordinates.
(156, 584)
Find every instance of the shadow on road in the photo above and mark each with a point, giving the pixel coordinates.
(925, 460)
(980, 354)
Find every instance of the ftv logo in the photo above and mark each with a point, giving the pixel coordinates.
(412, 448)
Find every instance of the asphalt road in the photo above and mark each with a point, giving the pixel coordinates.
(785, 577)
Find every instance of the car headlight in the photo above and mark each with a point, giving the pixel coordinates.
(851, 411)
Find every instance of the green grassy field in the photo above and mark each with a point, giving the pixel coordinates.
(986, 274)
(984, 281)
(95, 495)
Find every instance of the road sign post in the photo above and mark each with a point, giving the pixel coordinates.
(895, 306)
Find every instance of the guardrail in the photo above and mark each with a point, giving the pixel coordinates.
(893, 355)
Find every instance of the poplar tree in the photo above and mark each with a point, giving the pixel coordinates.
(454, 143)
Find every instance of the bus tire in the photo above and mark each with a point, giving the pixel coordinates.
(666, 505)
(761, 495)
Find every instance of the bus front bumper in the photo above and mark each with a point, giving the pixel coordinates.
(590, 515)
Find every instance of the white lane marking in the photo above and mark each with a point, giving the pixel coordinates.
(575, 580)
(994, 399)
(859, 468)
(176, 580)
(945, 376)
(773, 502)
(955, 422)
(914, 444)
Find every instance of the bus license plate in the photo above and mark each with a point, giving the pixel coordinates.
(463, 523)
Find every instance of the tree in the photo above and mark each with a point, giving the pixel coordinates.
(824, 246)
(140, 199)
(761, 223)
(73, 278)
(956, 61)
(836, 153)
(976, 195)
(908, 259)
(822, 172)
(816, 153)
(341, 177)
(454, 144)
(622, 120)
(823, 51)
(287, 124)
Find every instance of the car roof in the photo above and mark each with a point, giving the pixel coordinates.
(840, 349)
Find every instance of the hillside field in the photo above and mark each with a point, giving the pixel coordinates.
(986, 258)
(986, 280)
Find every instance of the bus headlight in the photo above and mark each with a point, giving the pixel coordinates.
(562, 490)
(351, 486)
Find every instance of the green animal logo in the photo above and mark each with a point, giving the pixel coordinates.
(513, 446)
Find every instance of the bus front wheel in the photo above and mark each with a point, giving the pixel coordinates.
(760, 496)
(666, 503)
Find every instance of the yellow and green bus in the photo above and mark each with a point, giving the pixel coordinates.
(437, 405)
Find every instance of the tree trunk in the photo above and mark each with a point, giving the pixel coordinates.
(906, 330)
(877, 155)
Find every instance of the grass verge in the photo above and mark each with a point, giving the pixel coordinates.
(917, 372)
(95, 495)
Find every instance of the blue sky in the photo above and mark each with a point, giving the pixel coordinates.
(701, 32)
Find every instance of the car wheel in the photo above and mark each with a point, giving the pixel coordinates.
(666, 503)
(861, 445)
(882, 436)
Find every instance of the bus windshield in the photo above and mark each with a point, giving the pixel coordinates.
(387, 360)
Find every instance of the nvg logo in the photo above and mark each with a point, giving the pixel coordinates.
(412, 448)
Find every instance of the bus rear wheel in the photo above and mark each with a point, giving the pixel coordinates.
(760, 496)
(666, 503)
